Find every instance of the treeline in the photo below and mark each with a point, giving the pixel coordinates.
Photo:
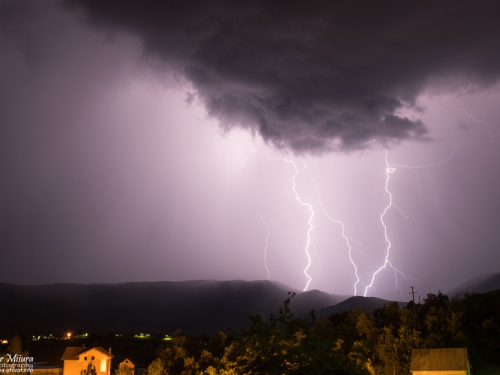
(355, 342)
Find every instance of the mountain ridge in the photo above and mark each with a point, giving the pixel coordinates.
(195, 306)
(483, 283)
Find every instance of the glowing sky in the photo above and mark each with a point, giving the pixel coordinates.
(144, 141)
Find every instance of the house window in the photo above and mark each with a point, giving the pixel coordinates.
(84, 358)
(93, 358)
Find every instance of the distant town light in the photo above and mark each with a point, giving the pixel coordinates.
(142, 335)
(69, 335)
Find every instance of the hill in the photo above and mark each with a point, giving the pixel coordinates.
(196, 307)
(369, 303)
(478, 284)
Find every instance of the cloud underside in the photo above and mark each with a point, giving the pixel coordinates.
(314, 77)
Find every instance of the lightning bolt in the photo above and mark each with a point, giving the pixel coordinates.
(388, 171)
(360, 244)
(267, 241)
(312, 213)
(478, 121)
(414, 168)
(343, 234)
(425, 165)
(391, 168)
(308, 205)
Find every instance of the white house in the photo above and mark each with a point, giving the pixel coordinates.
(76, 360)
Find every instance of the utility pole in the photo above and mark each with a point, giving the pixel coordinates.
(413, 294)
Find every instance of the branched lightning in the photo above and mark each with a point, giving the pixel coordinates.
(311, 227)
(425, 165)
(388, 171)
(360, 244)
(267, 241)
(309, 206)
(309, 246)
(475, 120)
(417, 176)
(400, 211)
(343, 235)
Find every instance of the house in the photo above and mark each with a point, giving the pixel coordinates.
(77, 359)
(130, 364)
(448, 361)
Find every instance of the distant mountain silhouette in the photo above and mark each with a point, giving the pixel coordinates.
(369, 303)
(304, 302)
(196, 307)
(479, 284)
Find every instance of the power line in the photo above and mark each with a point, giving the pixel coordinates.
(413, 294)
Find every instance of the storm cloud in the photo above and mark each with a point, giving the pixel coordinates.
(317, 76)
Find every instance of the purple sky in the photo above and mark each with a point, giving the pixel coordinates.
(137, 142)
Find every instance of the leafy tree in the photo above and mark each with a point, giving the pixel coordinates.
(185, 355)
(288, 345)
(439, 300)
(368, 333)
(91, 370)
(124, 370)
(157, 367)
(355, 342)
(395, 350)
(388, 315)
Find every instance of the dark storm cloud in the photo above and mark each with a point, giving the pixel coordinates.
(315, 76)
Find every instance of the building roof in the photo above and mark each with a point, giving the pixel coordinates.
(129, 360)
(73, 352)
(448, 359)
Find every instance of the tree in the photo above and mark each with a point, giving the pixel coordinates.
(124, 370)
(368, 332)
(388, 315)
(395, 351)
(289, 345)
(156, 367)
(90, 370)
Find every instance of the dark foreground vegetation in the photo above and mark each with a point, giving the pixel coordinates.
(354, 342)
